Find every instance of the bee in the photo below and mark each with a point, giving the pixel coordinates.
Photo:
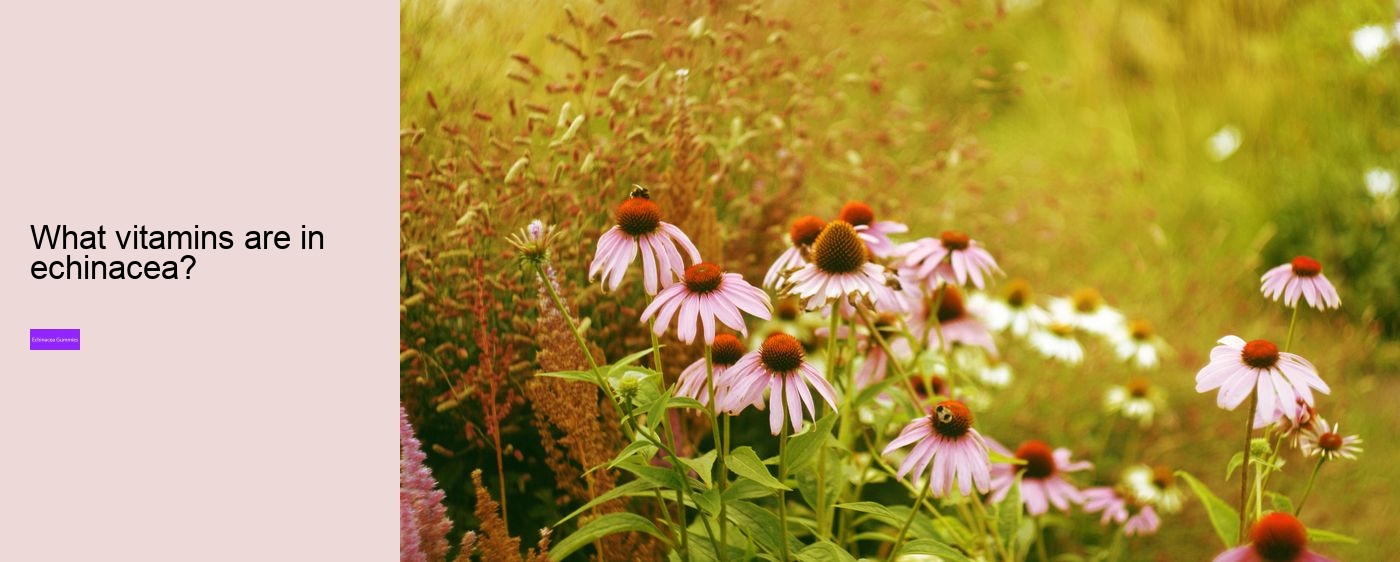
(944, 414)
(639, 191)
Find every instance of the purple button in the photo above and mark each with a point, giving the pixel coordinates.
(50, 339)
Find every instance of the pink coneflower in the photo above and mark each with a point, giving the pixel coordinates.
(778, 366)
(724, 353)
(876, 363)
(1041, 482)
(958, 326)
(840, 269)
(1326, 440)
(801, 235)
(1302, 276)
(948, 443)
(1116, 509)
(1237, 368)
(875, 234)
(1288, 427)
(706, 295)
(954, 258)
(1276, 537)
(639, 227)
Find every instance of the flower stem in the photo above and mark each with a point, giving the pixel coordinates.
(1306, 491)
(721, 448)
(782, 478)
(1244, 474)
(843, 432)
(1288, 344)
(1040, 539)
(913, 510)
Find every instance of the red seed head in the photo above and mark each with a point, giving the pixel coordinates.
(954, 240)
(1260, 354)
(1278, 537)
(727, 350)
(804, 230)
(1304, 266)
(951, 419)
(857, 213)
(703, 277)
(638, 216)
(1040, 459)
(837, 249)
(951, 306)
(781, 353)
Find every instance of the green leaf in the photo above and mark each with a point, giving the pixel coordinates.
(745, 490)
(704, 465)
(630, 488)
(685, 402)
(824, 551)
(1223, 517)
(1234, 465)
(999, 458)
(879, 511)
(1280, 502)
(663, 477)
(930, 547)
(656, 408)
(620, 364)
(759, 523)
(707, 501)
(584, 376)
(1321, 536)
(601, 527)
(645, 448)
(744, 462)
(870, 392)
(802, 449)
(1009, 515)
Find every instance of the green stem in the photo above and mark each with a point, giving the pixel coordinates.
(823, 526)
(1244, 474)
(1115, 550)
(721, 449)
(991, 530)
(782, 478)
(1288, 344)
(1297, 511)
(1040, 539)
(914, 510)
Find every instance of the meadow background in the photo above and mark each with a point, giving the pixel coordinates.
(1073, 139)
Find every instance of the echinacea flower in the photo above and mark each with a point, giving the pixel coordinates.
(1056, 341)
(777, 366)
(707, 294)
(1042, 483)
(1289, 428)
(875, 234)
(639, 228)
(876, 362)
(1300, 277)
(1276, 537)
(1015, 311)
(724, 353)
(1327, 441)
(946, 442)
(840, 269)
(956, 325)
(1238, 368)
(1137, 344)
(1086, 310)
(801, 235)
(953, 257)
(1119, 509)
(1155, 486)
(1138, 400)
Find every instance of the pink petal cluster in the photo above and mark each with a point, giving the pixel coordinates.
(423, 522)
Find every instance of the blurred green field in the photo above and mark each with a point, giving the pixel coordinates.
(1080, 158)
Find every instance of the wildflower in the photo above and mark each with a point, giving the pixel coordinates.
(947, 442)
(955, 323)
(1238, 368)
(778, 366)
(1119, 510)
(1300, 277)
(839, 269)
(1326, 440)
(876, 235)
(1276, 537)
(876, 363)
(639, 227)
(533, 241)
(954, 258)
(801, 235)
(1290, 428)
(1137, 400)
(1155, 486)
(705, 295)
(1086, 310)
(1380, 183)
(1057, 342)
(1136, 343)
(725, 352)
(1041, 481)
(1015, 310)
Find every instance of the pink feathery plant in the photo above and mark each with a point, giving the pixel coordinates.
(423, 522)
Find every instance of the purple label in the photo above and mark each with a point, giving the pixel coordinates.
(54, 339)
